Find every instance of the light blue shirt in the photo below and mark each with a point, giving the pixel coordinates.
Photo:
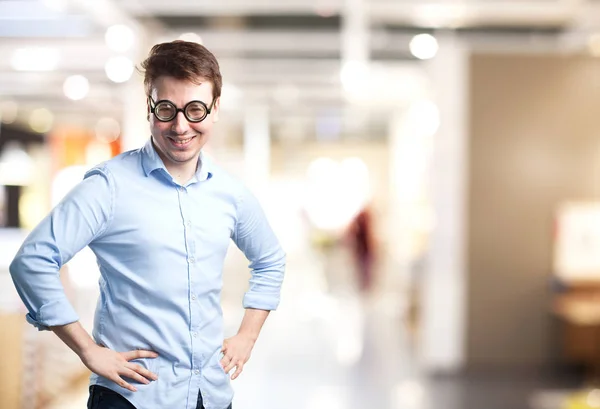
(160, 248)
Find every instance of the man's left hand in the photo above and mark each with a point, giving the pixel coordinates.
(236, 350)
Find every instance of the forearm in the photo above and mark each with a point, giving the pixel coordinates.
(253, 322)
(75, 337)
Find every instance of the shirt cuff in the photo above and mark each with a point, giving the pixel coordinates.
(256, 301)
(53, 314)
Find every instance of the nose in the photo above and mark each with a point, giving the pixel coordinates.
(180, 124)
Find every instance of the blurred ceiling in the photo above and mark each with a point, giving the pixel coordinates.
(285, 54)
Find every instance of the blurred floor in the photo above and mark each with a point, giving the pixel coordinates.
(327, 348)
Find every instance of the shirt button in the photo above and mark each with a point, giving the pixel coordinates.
(194, 334)
(194, 297)
(197, 372)
(192, 260)
(189, 223)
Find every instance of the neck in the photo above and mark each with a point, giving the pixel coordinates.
(182, 172)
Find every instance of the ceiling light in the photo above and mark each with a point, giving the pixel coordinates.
(35, 59)
(76, 87)
(41, 120)
(119, 69)
(119, 38)
(424, 46)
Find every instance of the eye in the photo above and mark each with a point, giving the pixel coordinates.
(165, 110)
(196, 110)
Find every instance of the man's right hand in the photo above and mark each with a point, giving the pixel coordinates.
(103, 361)
(113, 365)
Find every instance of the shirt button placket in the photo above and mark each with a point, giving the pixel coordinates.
(191, 260)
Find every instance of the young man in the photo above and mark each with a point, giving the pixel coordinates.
(159, 220)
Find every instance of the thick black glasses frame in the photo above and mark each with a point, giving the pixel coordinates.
(207, 110)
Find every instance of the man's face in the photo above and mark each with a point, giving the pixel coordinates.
(180, 141)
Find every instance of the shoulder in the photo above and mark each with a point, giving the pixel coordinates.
(123, 163)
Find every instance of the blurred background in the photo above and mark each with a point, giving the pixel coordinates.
(432, 169)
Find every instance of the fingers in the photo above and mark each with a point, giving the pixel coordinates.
(142, 371)
(230, 366)
(130, 373)
(228, 363)
(225, 361)
(238, 371)
(121, 382)
(129, 355)
(133, 372)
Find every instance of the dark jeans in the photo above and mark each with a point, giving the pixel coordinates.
(104, 398)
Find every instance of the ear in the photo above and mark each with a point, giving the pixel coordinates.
(216, 109)
(148, 109)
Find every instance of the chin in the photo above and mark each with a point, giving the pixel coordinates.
(185, 156)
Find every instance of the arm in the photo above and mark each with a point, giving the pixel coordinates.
(252, 323)
(79, 218)
(75, 337)
(255, 238)
(237, 349)
(82, 216)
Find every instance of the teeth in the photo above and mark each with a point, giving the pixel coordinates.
(184, 141)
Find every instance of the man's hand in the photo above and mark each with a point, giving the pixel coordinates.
(236, 350)
(112, 365)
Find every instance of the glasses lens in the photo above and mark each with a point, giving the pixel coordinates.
(165, 111)
(195, 111)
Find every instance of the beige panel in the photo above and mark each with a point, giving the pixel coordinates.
(534, 142)
(11, 342)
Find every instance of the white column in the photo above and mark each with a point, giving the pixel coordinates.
(443, 332)
(410, 152)
(355, 49)
(355, 31)
(257, 148)
(136, 128)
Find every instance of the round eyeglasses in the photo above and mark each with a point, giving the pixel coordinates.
(165, 111)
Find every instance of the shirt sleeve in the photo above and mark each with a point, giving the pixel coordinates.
(255, 238)
(83, 215)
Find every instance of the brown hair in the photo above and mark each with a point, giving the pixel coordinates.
(182, 60)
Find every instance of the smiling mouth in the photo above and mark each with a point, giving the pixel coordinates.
(181, 142)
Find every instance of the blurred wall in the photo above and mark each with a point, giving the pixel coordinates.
(534, 142)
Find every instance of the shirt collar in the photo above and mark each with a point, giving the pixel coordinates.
(151, 162)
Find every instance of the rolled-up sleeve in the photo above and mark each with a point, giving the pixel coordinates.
(83, 215)
(255, 238)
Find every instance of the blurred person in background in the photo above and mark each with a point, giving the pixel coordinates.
(159, 220)
(362, 246)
